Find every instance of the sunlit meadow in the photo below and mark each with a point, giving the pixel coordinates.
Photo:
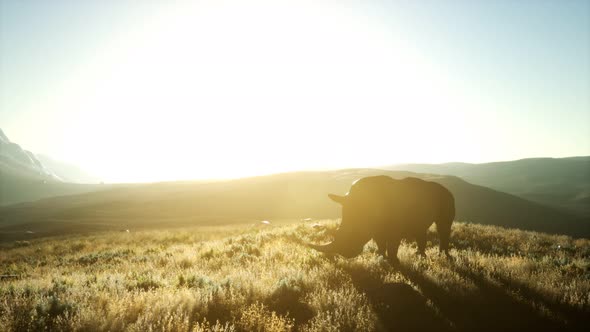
(264, 278)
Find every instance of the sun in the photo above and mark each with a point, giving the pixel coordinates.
(217, 92)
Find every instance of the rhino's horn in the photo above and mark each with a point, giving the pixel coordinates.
(337, 198)
(326, 248)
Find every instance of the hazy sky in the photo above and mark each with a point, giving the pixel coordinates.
(161, 90)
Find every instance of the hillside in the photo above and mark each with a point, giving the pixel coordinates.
(17, 189)
(559, 182)
(282, 196)
(245, 278)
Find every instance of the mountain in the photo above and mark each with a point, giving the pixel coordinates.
(67, 172)
(16, 161)
(23, 177)
(559, 182)
(274, 197)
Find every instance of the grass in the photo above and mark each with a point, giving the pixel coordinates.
(244, 278)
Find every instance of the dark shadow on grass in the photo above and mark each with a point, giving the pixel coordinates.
(398, 306)
(287, 301)
(490, 308)
(575, 319)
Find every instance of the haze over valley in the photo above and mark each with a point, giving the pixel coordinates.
(286, 196)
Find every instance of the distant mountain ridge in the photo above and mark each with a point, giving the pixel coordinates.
(24, 177)
(274, 197)
(558, 182)
(14, 160)
(67, 172)
(501, 194)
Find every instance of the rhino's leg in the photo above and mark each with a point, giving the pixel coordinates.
(444, 232)
(392, 246)
(421, 241)
(444, 222)
(381, 245)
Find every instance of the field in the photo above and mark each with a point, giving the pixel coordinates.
(263, 278)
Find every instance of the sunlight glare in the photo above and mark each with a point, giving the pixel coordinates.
(218, 92)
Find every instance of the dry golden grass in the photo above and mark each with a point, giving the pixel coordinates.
(244, 278)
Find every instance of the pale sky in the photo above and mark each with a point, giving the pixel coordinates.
(168, 90)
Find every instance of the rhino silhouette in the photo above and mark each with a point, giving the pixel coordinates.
(389, 210)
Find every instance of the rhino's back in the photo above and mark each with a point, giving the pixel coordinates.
(385, 187)
(406, 198)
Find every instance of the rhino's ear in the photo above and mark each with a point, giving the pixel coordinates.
(337, 198)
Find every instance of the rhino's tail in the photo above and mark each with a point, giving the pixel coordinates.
(445, 220)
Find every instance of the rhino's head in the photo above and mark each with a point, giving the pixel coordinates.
(353, 233)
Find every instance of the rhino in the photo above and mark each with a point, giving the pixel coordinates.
(389, 210)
